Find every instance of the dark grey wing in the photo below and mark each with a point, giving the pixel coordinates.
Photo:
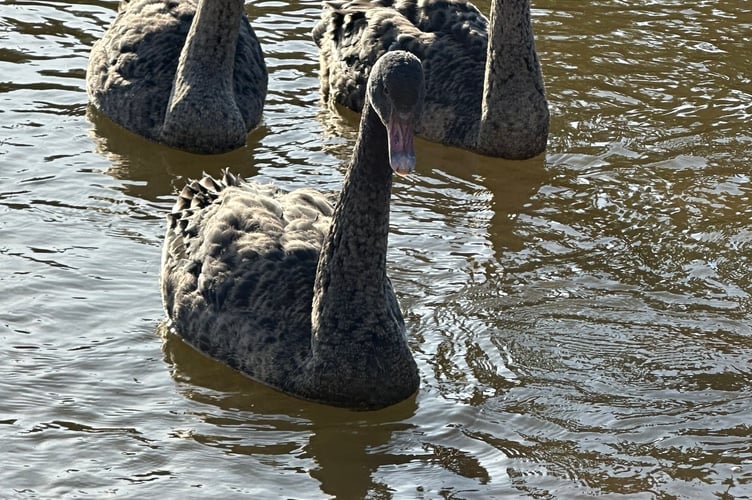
(132, 67)
(251, 77)
(351, 36)
(448, 36)
(238, 268)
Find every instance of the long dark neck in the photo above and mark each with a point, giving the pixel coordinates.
(202, 114)
(351, 278)
(514, 117)
(210, 46)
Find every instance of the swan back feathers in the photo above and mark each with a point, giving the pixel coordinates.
(449, 37)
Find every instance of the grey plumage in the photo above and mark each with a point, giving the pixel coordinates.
(288, 289)
(493, 105)
(196, 87)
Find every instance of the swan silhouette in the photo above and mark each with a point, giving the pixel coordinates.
(189, 75)
(484, 87)
(287, 289)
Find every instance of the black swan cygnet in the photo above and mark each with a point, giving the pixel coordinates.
(292, 291)
(187, 74)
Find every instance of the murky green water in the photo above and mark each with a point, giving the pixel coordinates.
(581, 321)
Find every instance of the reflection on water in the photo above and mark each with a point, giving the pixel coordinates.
(338, 445)
(147, 167)
(581, 320)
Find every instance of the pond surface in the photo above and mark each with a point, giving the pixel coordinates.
(581, 321)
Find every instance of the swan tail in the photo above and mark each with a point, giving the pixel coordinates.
(199, 193)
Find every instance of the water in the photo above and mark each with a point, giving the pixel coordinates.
(581, 320)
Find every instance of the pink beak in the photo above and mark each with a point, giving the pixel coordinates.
(401, 150)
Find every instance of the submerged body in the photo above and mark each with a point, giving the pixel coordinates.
(486, 96)
(189, 74)
(288, 289)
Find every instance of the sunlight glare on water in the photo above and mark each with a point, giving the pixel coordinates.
(581, 320)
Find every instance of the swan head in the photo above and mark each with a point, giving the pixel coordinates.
(396, 91)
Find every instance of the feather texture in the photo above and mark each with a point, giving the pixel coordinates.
(288, 289)
(135, 69)
(465, 90)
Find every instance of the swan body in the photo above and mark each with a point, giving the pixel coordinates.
(484, 86)
(189, 74)
(292, 291)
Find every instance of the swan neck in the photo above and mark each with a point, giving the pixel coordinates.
(351, 275)
(212, 40)
(514, 115)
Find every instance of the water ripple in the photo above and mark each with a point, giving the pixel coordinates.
(580, 320)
